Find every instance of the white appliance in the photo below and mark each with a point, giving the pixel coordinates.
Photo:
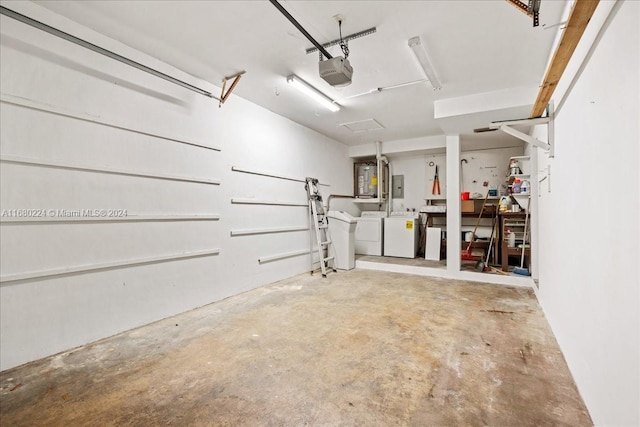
(401, 234)
(369, 231)
(434, 239)
(342, 228)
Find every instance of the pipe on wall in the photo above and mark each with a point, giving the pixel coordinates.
(379, 159)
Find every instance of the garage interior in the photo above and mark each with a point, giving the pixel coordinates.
(477, 166)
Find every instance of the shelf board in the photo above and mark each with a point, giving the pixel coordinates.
(369, 201)
(520, 158)
(521, 175)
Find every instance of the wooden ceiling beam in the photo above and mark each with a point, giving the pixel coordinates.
(579, 17)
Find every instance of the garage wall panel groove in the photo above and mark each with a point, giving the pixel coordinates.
(102, 136)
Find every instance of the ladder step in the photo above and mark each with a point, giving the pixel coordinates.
(325, 242)
(323, 226)
(329, 258)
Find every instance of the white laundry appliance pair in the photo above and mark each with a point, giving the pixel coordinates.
(401, 234)
(369, 233)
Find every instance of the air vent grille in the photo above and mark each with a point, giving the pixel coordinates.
(367, 125)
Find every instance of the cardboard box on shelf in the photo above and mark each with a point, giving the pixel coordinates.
(467, 206)
(475, 206)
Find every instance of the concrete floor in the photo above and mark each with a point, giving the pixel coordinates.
(363, 347)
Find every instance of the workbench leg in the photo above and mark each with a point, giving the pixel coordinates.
(505, 259)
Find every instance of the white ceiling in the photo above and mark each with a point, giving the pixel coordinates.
(476, 46)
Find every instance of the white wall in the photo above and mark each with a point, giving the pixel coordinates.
(488, 165)
(589, 226)
(415, 183)
(42, 316)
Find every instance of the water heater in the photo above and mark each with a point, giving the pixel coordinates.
(365, 179)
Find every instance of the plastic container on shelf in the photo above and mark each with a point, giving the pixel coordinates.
(505, 203)
(524, 187)
(514, 167)
(516, 186)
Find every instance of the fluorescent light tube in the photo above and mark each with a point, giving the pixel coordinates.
(423, 59)
(313, 93)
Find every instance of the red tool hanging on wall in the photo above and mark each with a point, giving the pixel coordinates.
(436, 183)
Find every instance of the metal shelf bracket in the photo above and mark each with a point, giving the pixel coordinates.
(506, 127)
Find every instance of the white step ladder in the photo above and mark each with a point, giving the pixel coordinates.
(319, 228)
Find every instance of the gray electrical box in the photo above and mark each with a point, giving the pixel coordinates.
(397, 186)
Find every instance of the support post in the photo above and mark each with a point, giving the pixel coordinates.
(453, 203)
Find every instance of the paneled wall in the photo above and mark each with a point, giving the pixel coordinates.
(589, 225)
(118, 196)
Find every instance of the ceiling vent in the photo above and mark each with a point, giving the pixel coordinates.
(360, 126)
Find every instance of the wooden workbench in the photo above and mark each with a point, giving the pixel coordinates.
(489, 212)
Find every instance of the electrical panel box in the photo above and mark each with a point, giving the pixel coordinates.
(397, 186)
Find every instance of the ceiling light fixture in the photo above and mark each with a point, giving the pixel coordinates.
(423, 59)
(313, 93)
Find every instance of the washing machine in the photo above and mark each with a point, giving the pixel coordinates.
(369, 233)
(401, 234)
